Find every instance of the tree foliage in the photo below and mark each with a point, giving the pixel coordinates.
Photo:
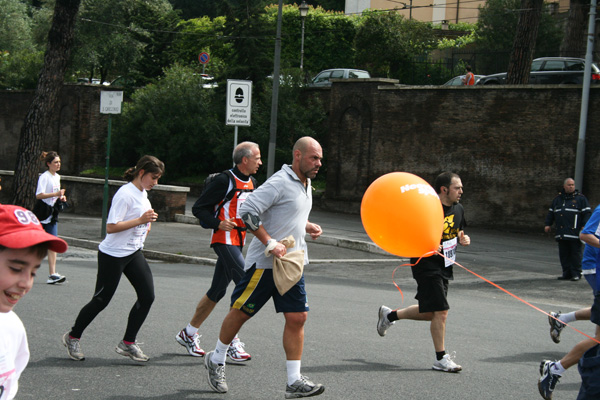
(135, 38)
(386, 42)
(496, 31)
(20, 55)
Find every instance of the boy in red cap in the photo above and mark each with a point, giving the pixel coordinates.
(23, 246)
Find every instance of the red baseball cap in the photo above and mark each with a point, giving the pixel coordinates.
(20, 228)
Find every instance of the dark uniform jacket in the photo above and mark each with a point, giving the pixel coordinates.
(570, 213)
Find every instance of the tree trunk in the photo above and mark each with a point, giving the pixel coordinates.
(574, 42)
(39, 114)
(519, 65)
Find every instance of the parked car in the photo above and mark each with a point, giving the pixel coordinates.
(457, 80)
(550, 71)
(323, 78)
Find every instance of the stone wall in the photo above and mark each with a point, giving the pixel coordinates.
(85, 195)
(77, 132)
(512, 145)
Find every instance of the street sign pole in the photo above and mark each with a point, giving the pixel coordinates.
(110, 103)
(105, 196)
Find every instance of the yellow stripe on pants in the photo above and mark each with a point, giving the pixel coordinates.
(256, 276)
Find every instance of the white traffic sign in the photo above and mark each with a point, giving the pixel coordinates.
(110, 102)
(239, 102)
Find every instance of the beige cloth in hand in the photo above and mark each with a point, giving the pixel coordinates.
(288, 269)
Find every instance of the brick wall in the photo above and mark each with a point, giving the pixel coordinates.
(512, 146)
(78, 131)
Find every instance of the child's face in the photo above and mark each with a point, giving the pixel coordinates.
(17, 270)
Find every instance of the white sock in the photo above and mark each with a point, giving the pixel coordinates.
(191, 330)
(558, 369)
(293, 370)
(568, 317)
(220, 353)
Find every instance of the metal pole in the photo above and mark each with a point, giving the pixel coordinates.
(235, 138)
(585, 98)
(105, 197)
(275, 98)
(302, 46)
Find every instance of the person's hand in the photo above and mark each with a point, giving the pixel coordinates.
(227, 224)
(547, 229)
(463, 239)
(313, 230)
(279, 251)
(149, 216)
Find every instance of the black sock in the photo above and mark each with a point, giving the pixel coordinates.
(440, 354)
(393, 316)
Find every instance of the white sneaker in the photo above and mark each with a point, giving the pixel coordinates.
(446, 364)
(383, 323)
(56, 278)
(236, 351)
(191, 343)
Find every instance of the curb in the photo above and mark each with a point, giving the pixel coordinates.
(151, 254)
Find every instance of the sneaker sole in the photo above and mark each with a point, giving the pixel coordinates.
(213, 387)
(447, 370)
(239, 361)
(555, 339)
(300, 395)
(61, 280)
(191, 353)
(127, 354)
(380, 316)
(64, 341)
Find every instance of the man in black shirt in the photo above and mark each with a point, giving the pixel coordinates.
(433, 273)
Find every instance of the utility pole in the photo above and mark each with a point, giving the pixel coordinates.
(585, 98)
(275, 98)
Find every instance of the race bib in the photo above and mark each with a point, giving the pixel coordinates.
(450, 251)
(241, 199)
(136, 239)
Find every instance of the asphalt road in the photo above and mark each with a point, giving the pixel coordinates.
(498, 340)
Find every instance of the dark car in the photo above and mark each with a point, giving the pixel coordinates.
(550, 71)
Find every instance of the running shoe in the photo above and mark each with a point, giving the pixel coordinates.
(73, 347)
(548, 380)
(555, 326)
(446, 364)
(191, 343)
(56, 278)
(216, 374)
(236, 351)
(303, 388)
(132, 351)
(383, 323)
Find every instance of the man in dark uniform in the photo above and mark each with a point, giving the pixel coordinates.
(569, 212)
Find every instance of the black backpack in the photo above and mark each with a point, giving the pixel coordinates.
(230, 195)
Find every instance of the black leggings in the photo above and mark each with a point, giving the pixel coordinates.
(110, 269)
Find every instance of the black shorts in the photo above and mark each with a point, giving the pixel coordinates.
(257, 287)
(595, 317)
(432, 293)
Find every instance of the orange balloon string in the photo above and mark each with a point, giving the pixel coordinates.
(491, 283)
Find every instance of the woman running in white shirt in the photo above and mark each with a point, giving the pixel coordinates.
(49, 191)
(120, 253)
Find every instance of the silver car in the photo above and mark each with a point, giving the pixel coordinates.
(323, 78)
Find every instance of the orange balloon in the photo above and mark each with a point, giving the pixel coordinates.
(403, 214)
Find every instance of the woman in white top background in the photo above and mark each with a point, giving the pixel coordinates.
(120, 253)
(49, 191)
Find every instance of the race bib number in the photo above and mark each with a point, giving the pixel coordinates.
(241, 199)
(450, 251)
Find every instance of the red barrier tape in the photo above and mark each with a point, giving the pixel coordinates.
(491, 283)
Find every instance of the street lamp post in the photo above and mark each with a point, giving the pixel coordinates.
(303, 12)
